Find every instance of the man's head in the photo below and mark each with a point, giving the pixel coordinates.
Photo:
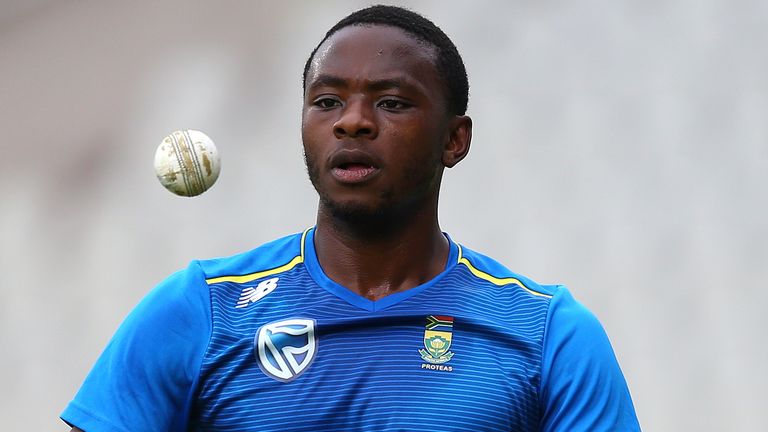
(448, 62)
(378, 123)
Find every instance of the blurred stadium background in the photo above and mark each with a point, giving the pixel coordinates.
(620, 148)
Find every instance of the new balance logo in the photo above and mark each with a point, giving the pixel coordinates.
(252, 295)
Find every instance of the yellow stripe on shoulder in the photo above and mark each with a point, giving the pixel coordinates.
(258, 275)
(497, 281)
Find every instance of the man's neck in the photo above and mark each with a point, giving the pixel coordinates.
(374, 265)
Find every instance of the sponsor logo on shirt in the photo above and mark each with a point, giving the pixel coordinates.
(253, 294)
(438, 334)
(285, 349)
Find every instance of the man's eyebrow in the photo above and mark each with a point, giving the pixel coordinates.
(373, 85)
(386, 84)
(328, 81)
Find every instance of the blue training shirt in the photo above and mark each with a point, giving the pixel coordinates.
(265, 341)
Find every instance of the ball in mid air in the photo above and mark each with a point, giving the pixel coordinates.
(187, 162)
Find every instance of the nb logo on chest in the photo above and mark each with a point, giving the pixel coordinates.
(253, 294)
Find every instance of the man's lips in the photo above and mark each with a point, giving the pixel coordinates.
(353, 166)
(353, 172)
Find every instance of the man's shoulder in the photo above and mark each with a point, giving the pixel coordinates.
(491, 270)
(285, 251)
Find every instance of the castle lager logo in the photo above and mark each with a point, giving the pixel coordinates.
(437, 339)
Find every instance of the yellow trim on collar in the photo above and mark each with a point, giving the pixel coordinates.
(258, 275)
(497, 281)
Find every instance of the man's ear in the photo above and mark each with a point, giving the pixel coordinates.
(459, 138)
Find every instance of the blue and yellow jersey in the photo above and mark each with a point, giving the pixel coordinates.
(265, 341)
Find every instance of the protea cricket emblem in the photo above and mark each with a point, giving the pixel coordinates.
(437, 339)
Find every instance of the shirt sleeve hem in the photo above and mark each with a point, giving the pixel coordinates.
(77, 416)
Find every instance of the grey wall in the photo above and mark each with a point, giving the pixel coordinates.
(620, 148)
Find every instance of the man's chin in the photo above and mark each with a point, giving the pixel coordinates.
(355, 213)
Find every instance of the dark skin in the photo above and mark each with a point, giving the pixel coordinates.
(377, 137)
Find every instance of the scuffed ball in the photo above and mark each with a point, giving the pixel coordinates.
(187, 162)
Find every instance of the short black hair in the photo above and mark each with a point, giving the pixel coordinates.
(449, 64)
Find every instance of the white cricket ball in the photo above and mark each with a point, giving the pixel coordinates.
(187, 162)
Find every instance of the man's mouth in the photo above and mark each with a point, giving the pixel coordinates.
(353, 166)
(353, 172)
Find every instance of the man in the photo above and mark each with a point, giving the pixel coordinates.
(374, 319)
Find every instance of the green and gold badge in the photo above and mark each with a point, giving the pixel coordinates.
(437, 339)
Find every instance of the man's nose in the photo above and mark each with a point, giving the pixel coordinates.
(357, 120)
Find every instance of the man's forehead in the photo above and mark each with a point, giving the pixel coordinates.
(369, 43)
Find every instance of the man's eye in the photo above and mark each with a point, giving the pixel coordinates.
(393, 104)
(327, 103)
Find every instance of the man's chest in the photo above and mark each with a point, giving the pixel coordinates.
(304, 362)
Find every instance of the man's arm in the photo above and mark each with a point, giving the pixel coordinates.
(582, 386)
(143, 380)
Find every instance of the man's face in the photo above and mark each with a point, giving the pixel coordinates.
(374, 122)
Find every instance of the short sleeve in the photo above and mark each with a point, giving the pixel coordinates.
(145, 378)
(582, 386)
